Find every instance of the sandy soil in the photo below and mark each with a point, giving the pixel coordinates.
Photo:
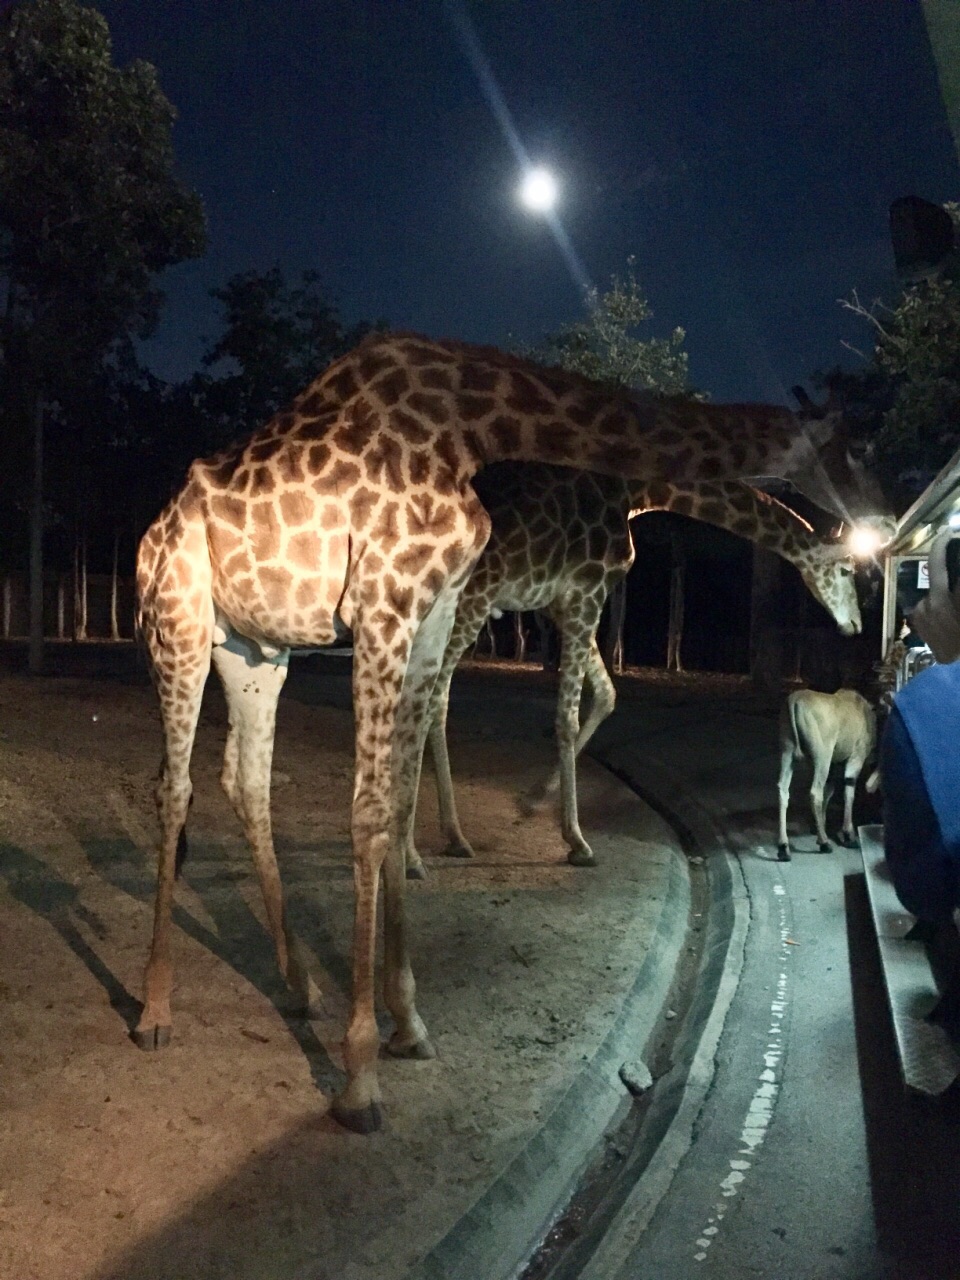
(217, 1157)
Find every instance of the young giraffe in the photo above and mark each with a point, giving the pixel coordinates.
(560, 541)
(354, 508)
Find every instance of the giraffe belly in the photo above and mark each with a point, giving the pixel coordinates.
(281, 610)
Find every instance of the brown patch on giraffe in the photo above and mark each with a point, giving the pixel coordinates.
(263, 482)
(223, 541)
(304, 550)
(230, 509)
(384, 463)
(241, 480)
(399, 599)
(362, 502)
(526, 396)
(436, 379)
(445, 448)
(239, 563)
(317, 428)
(478, 377)
(614, 424)
(506, 433)
(471, 408)
(419, 464)
(406, 426)
(388, 624)
(331, 517)
(386, 531)
(371, 363)
(290, 464)
(711, 467)
(343, 384)
(391, 387)
(555, 441)
(658, 494)
(318, 457)
(414, 559)
(473, 443)
(296, 507)
(714, 512)
(308, 589)
(342, 475)
(275, 584)
(445, 481)
(265, 531)
(432, 407)
(682, 505)
(264, 450)
(425, 518)
(433, 582)
(583, 412)
(358, 429)
(743, 525)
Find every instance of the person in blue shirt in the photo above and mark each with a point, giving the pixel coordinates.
(920, 772)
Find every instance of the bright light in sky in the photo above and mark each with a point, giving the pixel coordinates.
(539, 190)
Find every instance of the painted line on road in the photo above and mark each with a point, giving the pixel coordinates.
(760, 1111)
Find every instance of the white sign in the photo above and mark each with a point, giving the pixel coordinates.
(923, 575)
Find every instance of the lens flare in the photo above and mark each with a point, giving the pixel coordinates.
(864, 541)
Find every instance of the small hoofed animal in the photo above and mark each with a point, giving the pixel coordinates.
(826, 729)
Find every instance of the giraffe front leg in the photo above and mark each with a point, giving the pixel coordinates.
(573, 661)
(181, 693)
(786, 776)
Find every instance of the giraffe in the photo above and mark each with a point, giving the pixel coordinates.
(354, 508)
(560, 541)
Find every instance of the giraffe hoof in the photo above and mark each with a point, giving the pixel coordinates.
(458, 849)
(783, 853)
(368, 1119)
(581, 858)
(421, 1050)
(150, 1038)
(416, 871)
(825, 847)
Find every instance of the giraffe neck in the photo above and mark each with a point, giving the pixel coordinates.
(476, 405)
(738, 509)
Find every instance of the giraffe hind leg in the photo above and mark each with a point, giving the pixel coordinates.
(252, 688)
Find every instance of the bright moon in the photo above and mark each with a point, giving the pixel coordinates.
(539, 190)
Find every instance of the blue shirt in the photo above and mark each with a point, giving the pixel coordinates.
(920, 769)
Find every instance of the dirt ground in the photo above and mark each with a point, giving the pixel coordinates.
(216, 1157)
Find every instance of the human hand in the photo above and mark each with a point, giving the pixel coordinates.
(936, 619)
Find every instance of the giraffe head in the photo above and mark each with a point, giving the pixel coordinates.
(840, 461)
(829, 572)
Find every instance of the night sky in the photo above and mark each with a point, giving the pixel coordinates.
(746, 153)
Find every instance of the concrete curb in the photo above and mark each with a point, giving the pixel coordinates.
(496, 1237)
(680, 1094)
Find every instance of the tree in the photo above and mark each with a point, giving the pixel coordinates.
(605, 346)
(907, 394)
(277, 338)
(90, 212)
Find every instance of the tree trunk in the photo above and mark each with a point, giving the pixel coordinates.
(766, 633)
(114, 625)
(82, 627)
(61, 607)
(35, 652)
(7, 606)
(613, 643)
(520, 638)
(678, 575)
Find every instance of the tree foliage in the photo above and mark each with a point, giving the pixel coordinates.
(90, 208)
(277, 338)
(604, 345)
(907, 395)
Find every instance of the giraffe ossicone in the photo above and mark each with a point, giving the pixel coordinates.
(354, 508)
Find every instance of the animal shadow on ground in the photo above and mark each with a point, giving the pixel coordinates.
(35, 884)
(240, 941)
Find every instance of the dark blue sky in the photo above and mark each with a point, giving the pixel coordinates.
(745, 153)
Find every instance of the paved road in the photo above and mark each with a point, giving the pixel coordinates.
(808, 1163)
